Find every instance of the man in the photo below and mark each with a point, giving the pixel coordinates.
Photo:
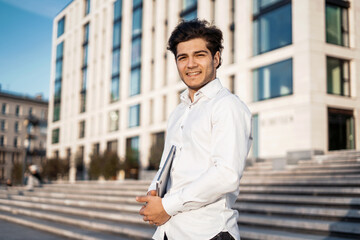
(211, 129)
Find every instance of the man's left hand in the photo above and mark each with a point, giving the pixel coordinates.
(153, 211)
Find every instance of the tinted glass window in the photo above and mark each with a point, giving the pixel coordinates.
(272, 81)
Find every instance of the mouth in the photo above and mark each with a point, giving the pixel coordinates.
(192, 74)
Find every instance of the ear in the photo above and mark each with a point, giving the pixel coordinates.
(216, 59)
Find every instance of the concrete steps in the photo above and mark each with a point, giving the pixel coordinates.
(300, 202)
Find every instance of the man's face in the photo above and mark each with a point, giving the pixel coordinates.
(195, 63)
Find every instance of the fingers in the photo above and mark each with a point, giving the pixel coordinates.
(152, 193)
(142, 198)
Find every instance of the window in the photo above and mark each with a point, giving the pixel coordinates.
(61, 27)
(58, 80)
(271, 25)
(341, 129)
(137, 21)
(3, 125)
(16, 127)
(337, 22)
(17, 110)
(132, 148)
(338, 77)
(2, 140)
(189, 9)
(116, 52)
(112, 146)
(55, 136)
(272, 81)
(56, 115)
(134, 116)
(15, 142)
(87, 7)
(30, 111)
(84, 69)
(135, 80)
(114, 95)
(82, 129)
(113, 121)
(4, 108)
(96, 149)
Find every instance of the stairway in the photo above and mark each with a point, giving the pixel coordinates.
(316, 199)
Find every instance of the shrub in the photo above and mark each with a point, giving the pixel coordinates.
(106, 165)
(16, 173)
(54, 168)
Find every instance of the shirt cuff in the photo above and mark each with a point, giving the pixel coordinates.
(172, 204)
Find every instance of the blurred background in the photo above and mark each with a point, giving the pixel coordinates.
(87, 86)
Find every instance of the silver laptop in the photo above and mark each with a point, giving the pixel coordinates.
(163, 179)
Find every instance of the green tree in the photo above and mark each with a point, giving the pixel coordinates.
(106, 165)
(55, 167)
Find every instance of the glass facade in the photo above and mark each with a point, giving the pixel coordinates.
(58, 80)
(134, 116)
(115, 73)
(273, 81)
(135, 80)
(189, 9)
(338, 76)
(337, 22)
(84, 68)
(61, 27)
(55, 136)
(272, 25)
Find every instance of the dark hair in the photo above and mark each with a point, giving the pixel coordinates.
(188, 30)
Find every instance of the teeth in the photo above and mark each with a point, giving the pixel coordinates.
(193, 73)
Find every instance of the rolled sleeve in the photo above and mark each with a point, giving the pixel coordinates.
(172, 204)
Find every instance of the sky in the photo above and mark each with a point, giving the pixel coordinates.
(25, 44)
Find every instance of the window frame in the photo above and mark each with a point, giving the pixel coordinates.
(256, 16)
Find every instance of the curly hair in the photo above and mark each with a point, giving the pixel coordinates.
(188, 30)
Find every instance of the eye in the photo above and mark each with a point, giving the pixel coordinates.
(181, 58)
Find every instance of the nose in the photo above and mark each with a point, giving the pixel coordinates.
(191, 63)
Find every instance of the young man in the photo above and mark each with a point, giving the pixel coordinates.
(211, 129)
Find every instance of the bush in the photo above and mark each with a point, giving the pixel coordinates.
(106, 165)
(54, 168)
(131, 164)
(156, 151)
(16, 173)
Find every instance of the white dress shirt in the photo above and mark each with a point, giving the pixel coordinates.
(212, 136)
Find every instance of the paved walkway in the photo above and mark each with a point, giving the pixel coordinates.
(12, 231)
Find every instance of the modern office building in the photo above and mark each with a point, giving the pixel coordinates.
(296, 64)
(23, 126)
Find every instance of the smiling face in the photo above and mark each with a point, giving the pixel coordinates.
(195, 64)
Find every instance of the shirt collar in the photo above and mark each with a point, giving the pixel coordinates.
(209, 90)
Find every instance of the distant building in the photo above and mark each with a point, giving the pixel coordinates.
(21, 118)
(294, 62)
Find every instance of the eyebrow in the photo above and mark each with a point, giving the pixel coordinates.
(184, 54)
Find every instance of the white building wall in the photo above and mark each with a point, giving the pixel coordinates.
(290, 123)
